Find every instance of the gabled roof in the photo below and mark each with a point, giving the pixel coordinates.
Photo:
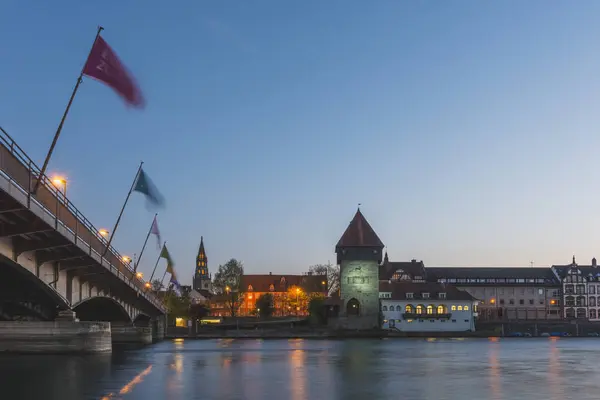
(281, 283)
(399, 290)
(412, 268)
(490, 272)
(201, 250)
(359, 234)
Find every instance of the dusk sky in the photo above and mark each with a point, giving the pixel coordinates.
(469, 131)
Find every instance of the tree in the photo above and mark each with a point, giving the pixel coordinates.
(177, 306)
(264, 305)
(316, 310)
(157, 285)
(332, 272)
(297, 301)
(198, 311)
(227, 281)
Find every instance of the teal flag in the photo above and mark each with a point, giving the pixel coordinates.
(144, 185)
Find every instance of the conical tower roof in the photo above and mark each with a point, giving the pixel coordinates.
(359, 234)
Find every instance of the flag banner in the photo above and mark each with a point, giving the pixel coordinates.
(144, 185)
(154, 230)
(104, 65)
(170, 267)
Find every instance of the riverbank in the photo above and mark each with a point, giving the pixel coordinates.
(323, 334)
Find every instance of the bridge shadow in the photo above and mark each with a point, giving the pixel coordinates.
(101, 309)
(24, 296)
(142, 320)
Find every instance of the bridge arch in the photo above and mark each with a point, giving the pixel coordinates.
(25, 295)
(142, 320)
(101, 308)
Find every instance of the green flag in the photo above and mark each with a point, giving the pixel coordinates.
(165, 254)
(144, 185)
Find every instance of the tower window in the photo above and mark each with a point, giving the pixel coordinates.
(250, 288)
(271, 288)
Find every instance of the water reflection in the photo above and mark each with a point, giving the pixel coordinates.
(351, 369)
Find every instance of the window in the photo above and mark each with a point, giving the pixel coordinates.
(419, 309)
(453, 320)
(425, 295)
(466, 308)
(592, 289)
(541, 292)
(592, 314)
(398, 308)
(592, 301)
(384, 308)
(430, 309)
(511, 301)
(250, 288)
(501, 302)
(271, 288)
(541, 302)
(453, 308)
(521, 301)
(408, 309)
(409, 295)
(441, 309)
(459, 308)
(442, 295)
(531, 301)
(466, 320)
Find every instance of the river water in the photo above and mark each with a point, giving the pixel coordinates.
(520, 368)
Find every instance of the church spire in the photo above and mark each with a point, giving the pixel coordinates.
(201, 276)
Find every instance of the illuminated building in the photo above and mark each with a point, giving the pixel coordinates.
(202, 278)
(426, 307)
(359, 254)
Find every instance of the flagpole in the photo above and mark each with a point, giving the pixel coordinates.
(135, 265)
(156, 265)
(64, 117)
(112, 234)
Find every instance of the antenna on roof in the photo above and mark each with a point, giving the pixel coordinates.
(531, 262)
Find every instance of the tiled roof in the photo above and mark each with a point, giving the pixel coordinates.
(435, 273)
(281, 283)
(412, 268)
(399, 290)
(586, 270)
(359, 234)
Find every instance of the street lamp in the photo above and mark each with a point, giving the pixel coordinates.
(103, 233)
(126, 259)
(139, 275)
(148, 285)
(59, 182)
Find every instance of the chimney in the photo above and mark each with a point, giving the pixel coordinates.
(594, 264)
(270, 273)
(413, 261)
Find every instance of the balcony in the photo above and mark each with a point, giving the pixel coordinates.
(426, 316)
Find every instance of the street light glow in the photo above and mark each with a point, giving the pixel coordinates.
(139, 275)
(147, 285)
(59, 181)
(126, 259)
(103, 232)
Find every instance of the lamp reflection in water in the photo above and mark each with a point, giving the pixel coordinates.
(495, 372)
(298, 372)
(131, 384)
(555, 382)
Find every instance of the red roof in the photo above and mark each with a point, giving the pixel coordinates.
(281, 283)
(359, 234)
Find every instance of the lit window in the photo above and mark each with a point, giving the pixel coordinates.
(460, 308)
(272, 288)
(409, 309)
(430, 309)
(466, 308)
(419, 309)
(453, 308)
(250, 288)
(440, 310)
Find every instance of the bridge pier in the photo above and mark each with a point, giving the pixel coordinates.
(159, 327)
(53, 337)
(129, 334)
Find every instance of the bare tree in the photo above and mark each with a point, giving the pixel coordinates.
(157, 285)
(332, 272)
(228, 281)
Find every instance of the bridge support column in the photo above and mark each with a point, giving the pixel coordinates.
(159, 325)
(55, 337)
(129, 334)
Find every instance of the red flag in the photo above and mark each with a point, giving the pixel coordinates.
(104, 65)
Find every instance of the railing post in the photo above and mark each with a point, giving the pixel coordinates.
(29, 185)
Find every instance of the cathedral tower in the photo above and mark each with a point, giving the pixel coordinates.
(359, 254)
(201, 279)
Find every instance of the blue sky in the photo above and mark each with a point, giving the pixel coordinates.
(469, 131)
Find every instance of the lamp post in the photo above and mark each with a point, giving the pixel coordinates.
(60, 182)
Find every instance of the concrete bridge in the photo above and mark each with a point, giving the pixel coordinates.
(53, 260)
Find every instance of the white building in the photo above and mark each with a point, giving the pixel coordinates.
(580, 289)
(426, 307)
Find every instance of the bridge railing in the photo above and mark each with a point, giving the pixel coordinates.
(21, 170)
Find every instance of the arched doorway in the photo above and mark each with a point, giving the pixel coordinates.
(353, 307)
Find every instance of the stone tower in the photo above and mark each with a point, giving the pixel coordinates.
(359, 254)
(201, 281)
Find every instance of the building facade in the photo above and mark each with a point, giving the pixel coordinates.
(426, 307)
(580, 286)
(359, 254)
(202, 280)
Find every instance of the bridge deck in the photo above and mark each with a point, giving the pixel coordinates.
(49, 217)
